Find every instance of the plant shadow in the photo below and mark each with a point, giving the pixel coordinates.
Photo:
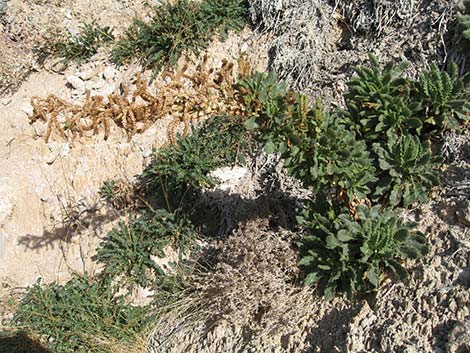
(76, 219)
(20, 342)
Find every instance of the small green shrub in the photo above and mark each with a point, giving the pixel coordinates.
(78, 48)
(177, 173)
(464, 20)
(80, 316)
(378, 101)
(108, 190)
(176, 28)
(349, 256)
(327, 154)
(126, 251)
(317, 148)
(383, 102)
(225, 15)
(444, 98)
(409, 170)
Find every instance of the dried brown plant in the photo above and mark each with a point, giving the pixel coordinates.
(187, 97)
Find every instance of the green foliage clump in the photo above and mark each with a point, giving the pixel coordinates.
(327, 154)
(126, 251)
(378, 101)
(317, 148)
(107, 190)
(225, 15)
(78, 48)
(84, 315)
(178, 172)
(444, 98)
(347, 255)
(179, 27)
(383, 102)
(464, 20)
(373, 154)
(408, 170)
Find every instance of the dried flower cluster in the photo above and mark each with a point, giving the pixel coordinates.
(185, 97)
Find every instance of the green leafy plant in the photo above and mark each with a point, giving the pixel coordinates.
(378, 101)
(225, 15)
(177, 173)
(344, 255)
(464, 20)
(108, 190)
(126, 253)
(80, 316)
(317, 147)
(408, 170)
(327, 154)
(444, 98)
(78, 48)
(178, 27)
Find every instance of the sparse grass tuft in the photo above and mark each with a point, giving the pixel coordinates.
(176, 28)
(126, 253)
(77, 48)
(80, 316)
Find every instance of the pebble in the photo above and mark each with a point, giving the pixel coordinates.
(6, 200)
(28, 109)
(463, 214)
(109, 73)
(76, 82)
(89, 74)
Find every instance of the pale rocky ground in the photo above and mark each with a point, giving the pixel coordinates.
(52, 218)
(51, 214)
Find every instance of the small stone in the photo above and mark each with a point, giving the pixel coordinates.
(39, 129)
(58, 149)
(65, 150)
(28, 109)
(76, 82)
(6, 201)
(88, 74)
(109, 73)
(106, 90)
(68, 13)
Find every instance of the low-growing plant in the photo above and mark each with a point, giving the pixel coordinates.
(78, 48)
(345, 255)
(444, 98)
(378, 101)
(408, 170)
(317, 148)
(80, 316)
(126, 252)
(177, 173)
(108, 190)
(178, 27)
(464, 20)
(225, 15)
(327, 154)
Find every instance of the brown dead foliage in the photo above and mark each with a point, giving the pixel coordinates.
(184, 96)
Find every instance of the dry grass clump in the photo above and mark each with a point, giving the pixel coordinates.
(184, 96)
(249, 299)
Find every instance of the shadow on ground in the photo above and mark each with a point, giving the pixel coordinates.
(74, 222)
(20, 342)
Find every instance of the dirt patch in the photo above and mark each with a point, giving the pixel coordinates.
(26, 26)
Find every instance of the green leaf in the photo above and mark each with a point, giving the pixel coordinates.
(269, 147)
(312, 278)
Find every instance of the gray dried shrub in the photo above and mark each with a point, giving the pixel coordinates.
(251, 289)
(316, 43)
